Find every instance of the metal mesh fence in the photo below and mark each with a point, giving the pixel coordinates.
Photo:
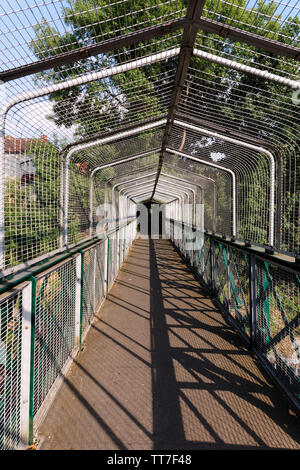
(205, 261)
(109, 68)
(54, 327)
(220, 273)
(278, 319)
(31, 200)
(10, 369)
(239, 288)
(28, 29)
(113, 258)
(232, 283)
(94, 274)
(262, 302)
(118, 89)
(89, 286)
(99, 275)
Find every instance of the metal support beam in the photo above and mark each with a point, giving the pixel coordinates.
(149, 167)
(190, 183)
(80, 147)
(163, 190)
(112, 133)
(125, 160)
(94, 49)
(205, 24)
(236, 34)
(162, 185)
(194, 11)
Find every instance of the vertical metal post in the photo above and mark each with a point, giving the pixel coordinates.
(212, 264)
(26, 364)
(228, 276)
(94, 279)
(61, 204)
(91, 197)
(2, 179)
(106, 266)
(253, 301)
(193, 263)
(234, 213)
(66, 199)
(78, 268)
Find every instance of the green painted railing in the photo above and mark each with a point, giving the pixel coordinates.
(259, 293)
(43, 320)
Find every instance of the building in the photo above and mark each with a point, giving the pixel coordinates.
(17, 163)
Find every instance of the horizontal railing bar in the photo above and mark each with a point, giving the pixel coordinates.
(276, 258)
(15, 279)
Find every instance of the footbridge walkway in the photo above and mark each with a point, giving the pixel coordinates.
(161, 369)
(181, 111)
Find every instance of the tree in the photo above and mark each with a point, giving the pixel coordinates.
(237, 98)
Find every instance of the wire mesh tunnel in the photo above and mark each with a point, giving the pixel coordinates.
(193, 105)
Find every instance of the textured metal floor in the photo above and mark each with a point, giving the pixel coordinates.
(161, 369)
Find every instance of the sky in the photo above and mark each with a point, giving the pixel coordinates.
(17, 18)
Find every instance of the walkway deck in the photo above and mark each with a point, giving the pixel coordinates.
(160, 369)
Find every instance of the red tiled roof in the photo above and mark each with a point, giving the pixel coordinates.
(13, 145)
(84, 166)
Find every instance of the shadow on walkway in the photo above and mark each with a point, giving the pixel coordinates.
(161, 369)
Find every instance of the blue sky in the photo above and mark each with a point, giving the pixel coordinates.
(16, 31)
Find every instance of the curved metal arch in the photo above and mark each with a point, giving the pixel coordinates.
(77, 148)
(176, 196)
(164, 191)
(154, 173)
(178, 199)
(162, 186)
(199, 160)
(173, 185)
(256, 148)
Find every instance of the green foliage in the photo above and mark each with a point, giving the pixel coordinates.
(232, 90)
(32, 211)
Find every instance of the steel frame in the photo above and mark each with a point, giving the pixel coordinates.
(220, 167)
(165, 175)
(204, 24)
(256, 149)
(161, 186)
(191, 23)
